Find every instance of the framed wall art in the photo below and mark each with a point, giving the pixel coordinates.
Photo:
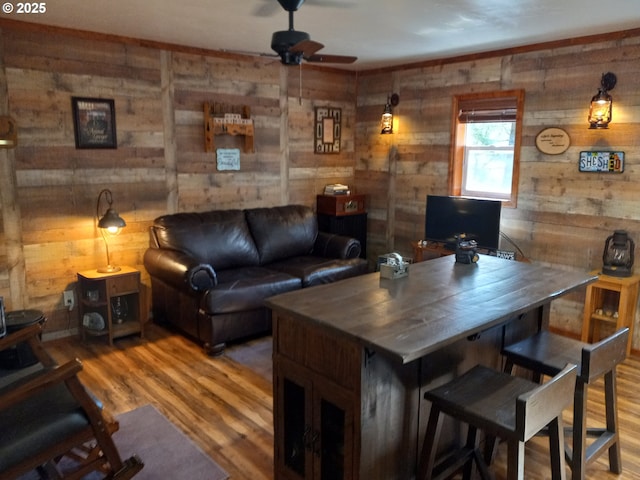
(94, 121)
(327, 130)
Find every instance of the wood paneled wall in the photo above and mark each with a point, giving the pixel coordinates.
(563, 217)
(49, 188)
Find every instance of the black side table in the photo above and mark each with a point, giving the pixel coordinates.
(21, 355)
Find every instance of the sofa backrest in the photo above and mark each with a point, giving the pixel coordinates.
(282, 232)
(220, 238)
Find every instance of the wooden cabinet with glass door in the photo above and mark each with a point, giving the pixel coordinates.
(314, 416)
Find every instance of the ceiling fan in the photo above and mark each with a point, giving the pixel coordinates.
(269, 7)
(293, 45)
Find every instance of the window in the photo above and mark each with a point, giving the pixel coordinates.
(487, 131)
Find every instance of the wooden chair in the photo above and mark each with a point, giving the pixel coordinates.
(501, 405)
(46, 414)
(545, 353)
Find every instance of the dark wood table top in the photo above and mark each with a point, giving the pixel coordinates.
(438, 303)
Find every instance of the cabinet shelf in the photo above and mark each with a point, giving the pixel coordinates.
(604, 318)
(95, 333)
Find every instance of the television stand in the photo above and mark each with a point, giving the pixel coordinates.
(433, 250)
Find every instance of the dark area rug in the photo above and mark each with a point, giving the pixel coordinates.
(164, 449)
(167, 453)
(254, 354)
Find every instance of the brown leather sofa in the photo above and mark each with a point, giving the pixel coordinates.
(211, 271)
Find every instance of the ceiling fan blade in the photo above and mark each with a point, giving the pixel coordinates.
(306, 47)
(321, 58)
(266, 10)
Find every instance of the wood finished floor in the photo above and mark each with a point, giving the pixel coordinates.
(226, 406)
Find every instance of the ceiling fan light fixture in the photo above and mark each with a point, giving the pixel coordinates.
(282, 43)
(293, 46)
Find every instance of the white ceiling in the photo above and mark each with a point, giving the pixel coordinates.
(379, 32)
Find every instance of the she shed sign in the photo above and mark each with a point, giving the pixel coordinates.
(603, 162)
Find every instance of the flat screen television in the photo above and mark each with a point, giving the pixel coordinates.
(447, 217)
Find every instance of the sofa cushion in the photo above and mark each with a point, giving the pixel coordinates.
(282, 232)
(219, 238)
(246, 288)
(317, 270)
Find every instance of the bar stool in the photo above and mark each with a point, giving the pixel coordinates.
(545, 354)
(501, 405)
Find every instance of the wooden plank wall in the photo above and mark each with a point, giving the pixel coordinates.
(563, 217)
(48, 228)
(49, 188)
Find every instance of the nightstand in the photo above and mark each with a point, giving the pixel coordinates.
(344, 215)
(612, 300)
(110, 303)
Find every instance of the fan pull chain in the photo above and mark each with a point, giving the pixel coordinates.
(300, 86)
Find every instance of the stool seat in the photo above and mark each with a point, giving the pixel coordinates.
(501, 405)
(545, 353)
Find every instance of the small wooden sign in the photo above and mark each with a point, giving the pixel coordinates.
(553, 141)
(603, 162)
(228, 158)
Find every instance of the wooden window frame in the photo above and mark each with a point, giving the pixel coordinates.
(457, 138)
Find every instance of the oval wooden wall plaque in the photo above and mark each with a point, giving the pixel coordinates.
(553, 141)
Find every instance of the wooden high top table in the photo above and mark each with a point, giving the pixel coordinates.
(352, 359)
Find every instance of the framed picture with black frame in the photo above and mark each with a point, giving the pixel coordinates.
(94, 121)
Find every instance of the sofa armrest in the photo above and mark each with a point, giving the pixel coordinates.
(330, 245)
(179, 269)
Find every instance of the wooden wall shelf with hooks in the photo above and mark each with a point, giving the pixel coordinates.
(223, 119)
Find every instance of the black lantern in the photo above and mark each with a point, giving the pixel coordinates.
(386, 123)
(600, 109)
(617, 257)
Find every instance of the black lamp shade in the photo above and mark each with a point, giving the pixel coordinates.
(110, 222)
(111, 219)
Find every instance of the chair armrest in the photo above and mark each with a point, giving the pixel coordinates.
(330, 245)
(20, 336)
(37, 382)
(30, 335)
(179, 270)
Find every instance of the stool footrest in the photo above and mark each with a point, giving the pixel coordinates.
(603, 442)
(456, 460)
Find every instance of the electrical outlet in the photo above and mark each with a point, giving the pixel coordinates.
(68, 298)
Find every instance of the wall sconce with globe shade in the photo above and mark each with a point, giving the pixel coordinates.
(110, 223)
(600, 110)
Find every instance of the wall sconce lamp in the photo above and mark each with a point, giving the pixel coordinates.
(8, 132)
(387, 116)
(600, 110)
(110, 223)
